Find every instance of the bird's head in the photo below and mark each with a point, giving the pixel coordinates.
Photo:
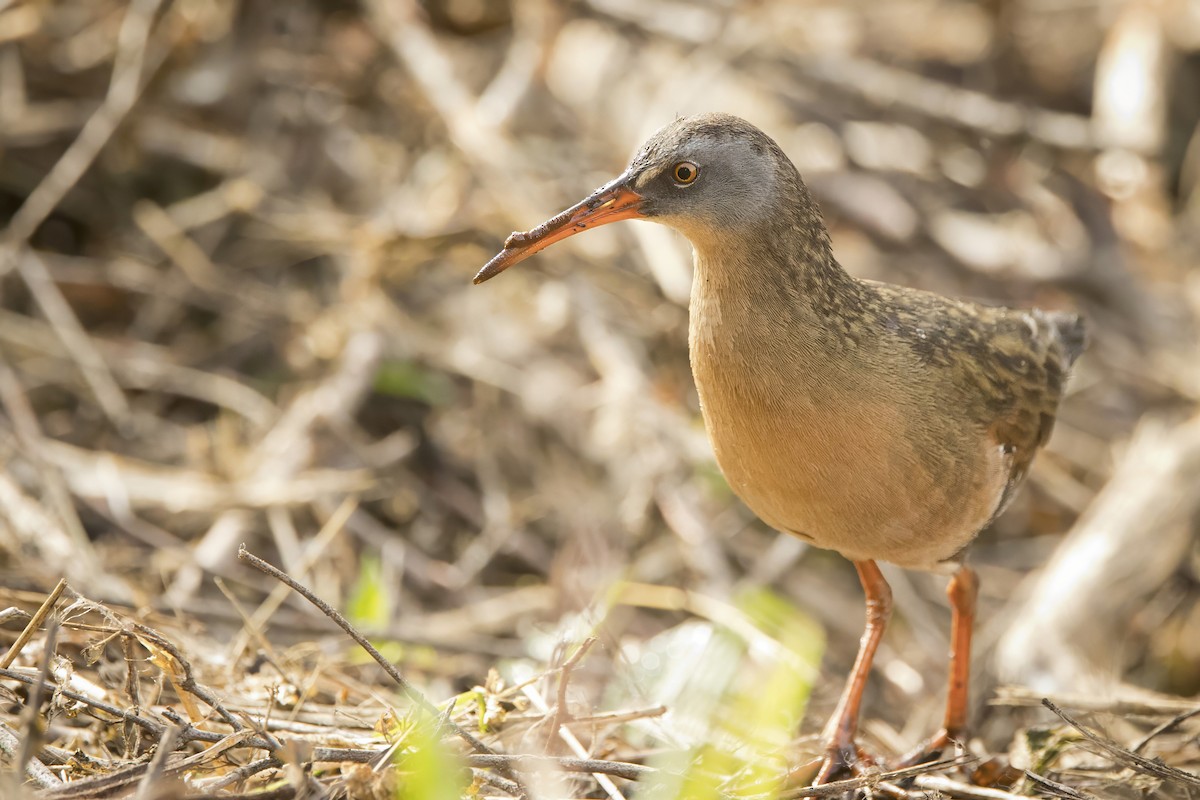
(713, 176)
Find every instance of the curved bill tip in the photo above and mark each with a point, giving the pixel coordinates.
(609, 203)
(500, 262)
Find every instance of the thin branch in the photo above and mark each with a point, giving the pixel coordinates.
(564, 679)
(839, 787)
(1130, 759)
(154, 772)
(34, 624)
(411, 692)
(620, 769)
(1164, 727)
(31, 726)
(1057, 789)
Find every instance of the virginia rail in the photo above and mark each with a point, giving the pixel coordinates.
(879, 421)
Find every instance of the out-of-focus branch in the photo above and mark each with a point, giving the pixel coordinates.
(1130, 539)
(123, 93)
(286, 450)
(485, 145)
(975, 111)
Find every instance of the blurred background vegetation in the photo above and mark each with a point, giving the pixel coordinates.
(235, 306)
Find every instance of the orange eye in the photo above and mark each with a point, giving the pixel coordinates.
(684, 172)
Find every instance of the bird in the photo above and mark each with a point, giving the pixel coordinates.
(883, 422)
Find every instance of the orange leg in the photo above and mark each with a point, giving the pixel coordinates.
(962, 591)
(840, 751)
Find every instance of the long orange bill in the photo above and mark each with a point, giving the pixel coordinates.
(611, 202)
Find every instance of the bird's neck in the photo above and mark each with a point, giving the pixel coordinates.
(778, 281)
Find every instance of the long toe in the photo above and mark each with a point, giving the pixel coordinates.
(935, 747)
(843, 761)
(838, 763)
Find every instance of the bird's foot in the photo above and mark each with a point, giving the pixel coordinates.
(842, 760)
(930, 750)
(985, 772)
(838, 763)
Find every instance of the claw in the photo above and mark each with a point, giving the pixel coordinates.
(839, 762)
(843, 761)
(924, 752)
